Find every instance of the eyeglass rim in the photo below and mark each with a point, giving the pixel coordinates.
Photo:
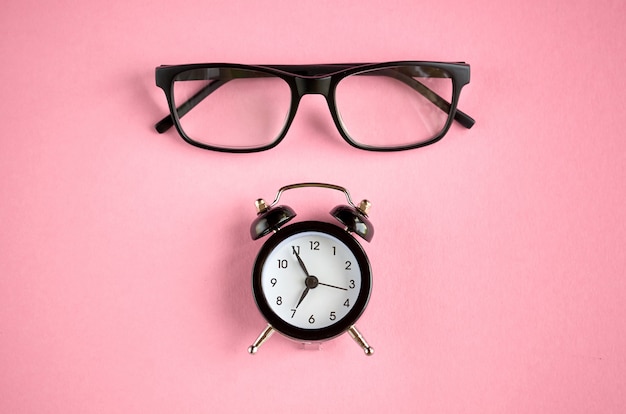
(459, 73)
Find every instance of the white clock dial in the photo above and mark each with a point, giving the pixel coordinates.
(311, 280)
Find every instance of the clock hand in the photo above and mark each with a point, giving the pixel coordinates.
(306, 272)
(306, 291)
(336, 287)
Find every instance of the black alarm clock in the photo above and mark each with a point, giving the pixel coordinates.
(311, 280)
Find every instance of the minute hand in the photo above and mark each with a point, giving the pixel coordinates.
(306, 272)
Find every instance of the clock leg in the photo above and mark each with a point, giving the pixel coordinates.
(267, 332)
(358, 338)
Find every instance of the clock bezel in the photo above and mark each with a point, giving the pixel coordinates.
(342, 325)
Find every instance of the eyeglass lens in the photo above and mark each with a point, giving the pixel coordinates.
(393, 107)
(240, 109)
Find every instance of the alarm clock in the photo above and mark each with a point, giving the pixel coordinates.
(311, 280)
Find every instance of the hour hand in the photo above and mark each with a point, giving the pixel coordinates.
(306, 291)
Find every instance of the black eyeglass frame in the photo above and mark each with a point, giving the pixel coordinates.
(312, 79)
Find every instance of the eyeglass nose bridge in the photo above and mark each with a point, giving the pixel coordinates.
(319, 86)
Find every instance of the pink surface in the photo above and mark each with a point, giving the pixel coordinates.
(499, 252)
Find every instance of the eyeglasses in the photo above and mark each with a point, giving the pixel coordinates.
(390, 106)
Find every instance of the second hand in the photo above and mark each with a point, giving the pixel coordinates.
(332, 286)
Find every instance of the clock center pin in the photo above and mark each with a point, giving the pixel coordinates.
(311, 282)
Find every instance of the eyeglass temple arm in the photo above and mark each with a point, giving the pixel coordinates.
(167, 122)
(459, 116)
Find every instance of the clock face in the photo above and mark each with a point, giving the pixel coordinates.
(311, 280)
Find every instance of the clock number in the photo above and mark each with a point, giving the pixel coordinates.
(293, 313)
(347, 303)
(348, 265)
(333, 316)
(295, 249)
(315, 245)
(352, 285)
(282, 263)
(273, 281)
(279, 300)
(334, 251)
(311, 320)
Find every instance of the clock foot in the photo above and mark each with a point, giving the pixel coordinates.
(267, 332)
(358, 338)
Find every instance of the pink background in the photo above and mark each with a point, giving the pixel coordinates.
(499, 252)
